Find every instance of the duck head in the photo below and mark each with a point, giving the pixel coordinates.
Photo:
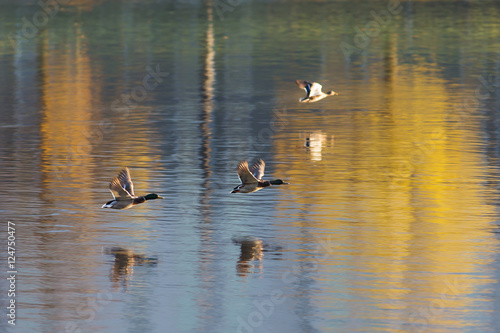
(152, 196)
(277, 182)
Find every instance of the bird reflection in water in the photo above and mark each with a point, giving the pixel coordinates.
(252, 253)
(314, 143)
(123, 267)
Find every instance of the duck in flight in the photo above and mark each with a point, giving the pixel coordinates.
(313, 91)
(122, 189)
(251, 179)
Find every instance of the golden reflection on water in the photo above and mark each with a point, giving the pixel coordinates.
(67, 110)
(73, 178)
(417, 182)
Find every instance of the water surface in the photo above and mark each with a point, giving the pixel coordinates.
(390, 222)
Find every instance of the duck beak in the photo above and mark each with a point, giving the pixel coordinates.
(160, 197)
(335, 93)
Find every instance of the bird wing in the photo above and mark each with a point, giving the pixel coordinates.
(121, 186)
(126, 181)
(244, 173)
(306, 85)
(258, 169)
(315, 89)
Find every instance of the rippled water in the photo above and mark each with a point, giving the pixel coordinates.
(390, 222)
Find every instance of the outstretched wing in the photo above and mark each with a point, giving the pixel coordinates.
(258, 169)
(126, 181)
(315, 89)
(121, 186)
(306, 85)
(244, 173)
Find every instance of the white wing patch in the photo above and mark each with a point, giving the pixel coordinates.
(316, 89)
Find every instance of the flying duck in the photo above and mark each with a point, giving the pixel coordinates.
(313, 91)
(251, 179)
(122, 189)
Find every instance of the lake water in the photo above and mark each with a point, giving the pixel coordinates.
(391, 219)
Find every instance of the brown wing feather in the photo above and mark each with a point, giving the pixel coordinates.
(119, 193)
(303, 84)
(126, 181)
(121, 186)
(244, 173)
(258, 169)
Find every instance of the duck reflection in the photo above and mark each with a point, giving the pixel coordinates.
(252, 253)
(315, 142)
(123, 267)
